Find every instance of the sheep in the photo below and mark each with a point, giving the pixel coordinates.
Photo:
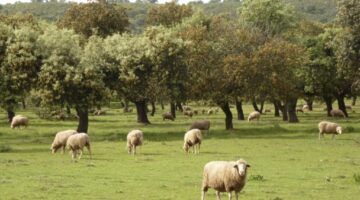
(60, 140)
(203, 111)
(337, 113)
(267, 110)
(210, 111)
(203, 125)
(192, 138)
(299, 110)
(305, 108)
(330, 128)
(254, 115)
(77, 142)
(186, 108)
(224, 176)
(188, 113)
(18, 121)
(196, 112)
(134, 138)
(100, 112)
(168, 115)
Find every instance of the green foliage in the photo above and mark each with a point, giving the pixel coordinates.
(168, 14)
(95, 18)
(5, 148)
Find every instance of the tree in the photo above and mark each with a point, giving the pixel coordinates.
(168, 14)
(273, 17)
(20, 63)
(95, 18)
(67, 77)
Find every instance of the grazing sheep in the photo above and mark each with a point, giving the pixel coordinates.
(18, 121)
(305, 108)
(203, 125)
(224, 176)
(210, 111)
(267, 110)
(134, 138)
(186, 108)
(299, 110)
(337, 113)
(60, 140)
(254, 115)
(77, 142)
(188, 113)
(192, 138)
(100, 112)
(168, 115)
(329, 128)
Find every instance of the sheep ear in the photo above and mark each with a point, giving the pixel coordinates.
(247, 165)
(235, 166)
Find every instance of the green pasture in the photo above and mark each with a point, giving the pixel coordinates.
(287, 160)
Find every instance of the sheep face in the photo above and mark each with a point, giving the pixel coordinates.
(241, 168)
(338, 130)
(186, 147)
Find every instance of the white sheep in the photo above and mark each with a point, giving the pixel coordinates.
(18, 121)
(305, 108)
(224, 176)
(254, 115)
(134, 138)
(192, 138)
(329, 128)
(337, 113)
(77, 142)
(61, 139)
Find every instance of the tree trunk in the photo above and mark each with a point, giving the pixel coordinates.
(10, 114)
(254, 104)
(141, 112)
(23, 103)
(328, 101)
(126, 106)
(162, 105)
(284, 112)
(240, 112)
(68, 110)
(153, 108)
(228, 115)
(262, 106)
(341, 103)
(276, 110)
(83, 119)
(173, 109)
(179, 106)
(353, 103)
(309, 103)
(291, 108)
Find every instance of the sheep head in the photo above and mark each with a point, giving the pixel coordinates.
(241, 166)
(339, 130)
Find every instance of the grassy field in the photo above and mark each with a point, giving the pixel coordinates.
(288, 161)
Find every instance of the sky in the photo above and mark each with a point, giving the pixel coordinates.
(160, 1)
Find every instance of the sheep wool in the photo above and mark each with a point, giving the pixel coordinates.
(254, 115)
(77, 142)
(134, 138)
(61, 139)
(192, 138)
(224, 176)
(329, 128)
(18, 121)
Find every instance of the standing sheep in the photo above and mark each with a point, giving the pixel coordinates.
(188, 113)
(77, 142)
(337, 113)
(224, 176)
(134, 138)
(168, 116)
(192, 138)
(254, 115)
(329, 128)
(61, 139)
(18, 121)
(203, 125)
(305, 108)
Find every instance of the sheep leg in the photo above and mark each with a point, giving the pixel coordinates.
(230, 195)
(203, 195)
(236, 195)
(81, 153)
(218, 195)
(89, 149)
(63, 149)
(333, 137)
(320, 134)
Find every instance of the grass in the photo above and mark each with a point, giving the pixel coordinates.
(287, 160)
